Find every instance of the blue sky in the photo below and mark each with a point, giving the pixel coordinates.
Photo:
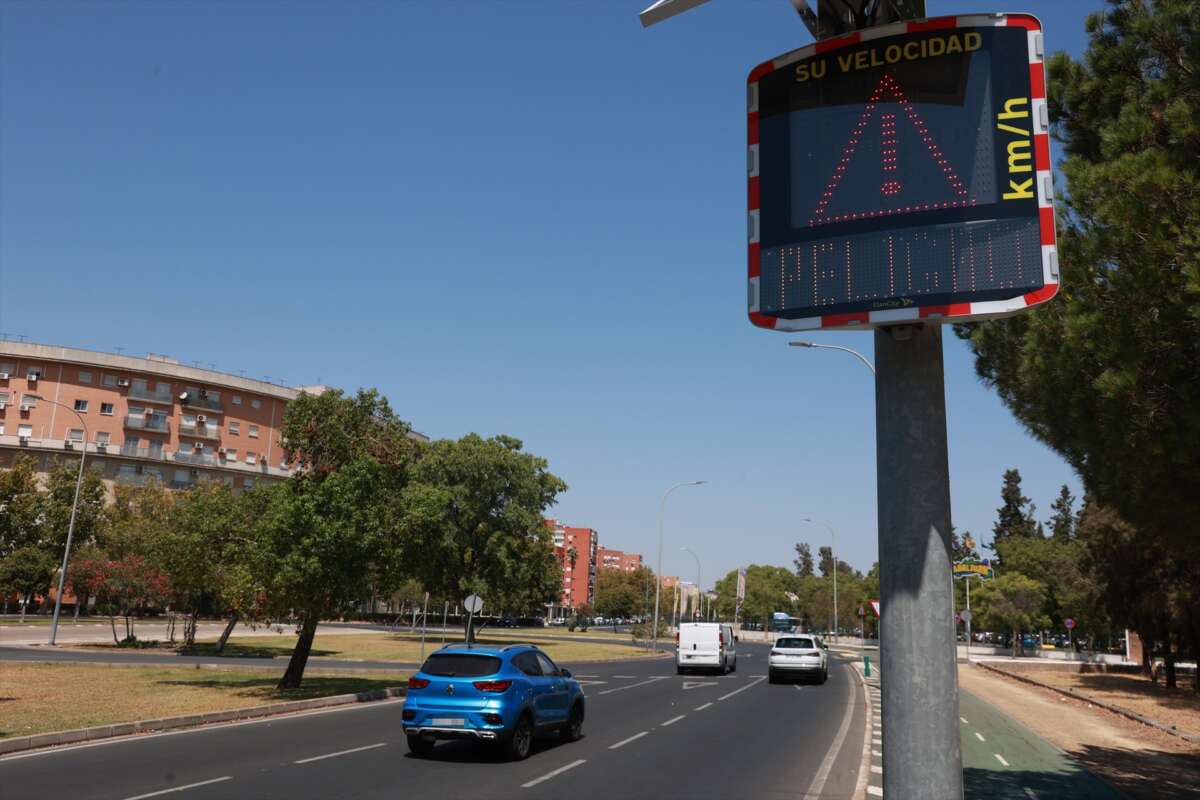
(511, 217)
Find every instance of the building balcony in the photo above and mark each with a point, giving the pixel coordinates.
(198, 431)
(132, 450)
(195, 459)
(155, 423)
(152, 395)
(201, 401)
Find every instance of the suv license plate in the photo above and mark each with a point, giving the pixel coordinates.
(446, 721)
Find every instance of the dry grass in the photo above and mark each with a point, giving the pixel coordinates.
(1178, 707)
(400, 647)
(40, 697)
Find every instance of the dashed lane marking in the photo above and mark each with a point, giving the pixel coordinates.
(626, 676)
(876, 769)
(964, 721)
(624, 742)
(185, 787)
(875, 791)
(1000, 758)
(673, 720)
(1030, 793)
(797, 687)
(341, 753)
(979, 736)
(744, 688)
(701, 708)
(553, 772)
(877, 754)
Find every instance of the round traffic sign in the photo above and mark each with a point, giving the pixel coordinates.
(473, 603)
(1070, 623)
(965, 615)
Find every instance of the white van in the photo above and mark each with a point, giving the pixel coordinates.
(705, 645)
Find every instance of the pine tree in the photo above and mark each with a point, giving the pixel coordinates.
(1015, 516)
(804, 560)
(1062, 524)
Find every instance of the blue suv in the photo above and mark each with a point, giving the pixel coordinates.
(501, 695)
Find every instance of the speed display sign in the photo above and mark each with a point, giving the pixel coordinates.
(902, 173)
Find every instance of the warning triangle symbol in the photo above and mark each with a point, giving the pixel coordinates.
(925, 180)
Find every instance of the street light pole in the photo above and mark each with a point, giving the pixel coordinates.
(62, 575)
(833, 551)
(699, 586)
(658, 579)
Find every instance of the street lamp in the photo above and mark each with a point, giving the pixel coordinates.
(833, 551)
(62, 575)
(854, 353)
(658, 581)
(699, 586)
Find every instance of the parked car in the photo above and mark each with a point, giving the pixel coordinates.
(797, 657)
(499, 695)
(705, 645)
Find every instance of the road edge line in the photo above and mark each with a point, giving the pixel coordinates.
(835, 749)
(120, 729)
(864, 766)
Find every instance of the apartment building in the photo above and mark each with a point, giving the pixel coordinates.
(139, 418)
(607, 558)
(576, 549)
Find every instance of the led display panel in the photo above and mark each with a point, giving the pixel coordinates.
(902, 176)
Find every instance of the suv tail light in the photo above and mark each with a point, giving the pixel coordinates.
(493, 686)
(676, 637)
(417, 683)
(721, 638)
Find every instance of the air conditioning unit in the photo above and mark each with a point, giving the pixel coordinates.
(3, 405)
(23, 440)
(101, 447)
(4, 376)
(203, 393)
(33, 376)
(26, 407)
(123, 382)
(221, 451)
(68, 444)
(197, 446)
(183, 396)
(195, 473)
(201, 419)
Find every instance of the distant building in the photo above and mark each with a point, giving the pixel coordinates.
(608, 558)
(579, 576)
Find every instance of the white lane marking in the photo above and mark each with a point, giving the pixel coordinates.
(797, 687)
(979, 736)
(877, 740)
(341, 753)
(626, 676)
(180, 788)
(673, 720)
(1000, 758)
(877, 770)
(219, 726)
(964, 721)
(701, 708)
(633, 685)
(877, 753)
(553, 772)
(744, 688)
(818, 785)
(875, 791)
(624, 742)
(1030, 793)
(587, 676)
(876, 724)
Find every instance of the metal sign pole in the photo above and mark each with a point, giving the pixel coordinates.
(445, 615)
(424, 619)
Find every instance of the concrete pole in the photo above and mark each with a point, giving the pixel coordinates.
(922, 754)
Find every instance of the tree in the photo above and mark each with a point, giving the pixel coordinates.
(121, 587)
(1011, 602)
(320, 535)
(826, 560)
(26, 570)
(767, 589)
(472, 521)
(618, 594)
(1062, 524)
(804, 560)
(20, 506)
(60, 498)
(961, 548)
(1015, 515)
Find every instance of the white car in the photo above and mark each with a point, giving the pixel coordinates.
(795, 656)
(707, 645)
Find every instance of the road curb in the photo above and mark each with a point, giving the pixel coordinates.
(1102, 704)
(56, 738)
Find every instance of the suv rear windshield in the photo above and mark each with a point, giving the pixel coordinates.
(805, 644)
(460, 665)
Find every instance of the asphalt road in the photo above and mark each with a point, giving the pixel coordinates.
(648, 733)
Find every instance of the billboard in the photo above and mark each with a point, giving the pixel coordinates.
(741, 585)
(901, 173)
(974, 568)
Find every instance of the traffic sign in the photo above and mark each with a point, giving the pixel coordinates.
(1070, 623)
(902, 176)
(473, 603)
(875, 608)
(965, 615)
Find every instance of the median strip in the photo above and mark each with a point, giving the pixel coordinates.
(554, 772)
(174, 789)
(341, 753)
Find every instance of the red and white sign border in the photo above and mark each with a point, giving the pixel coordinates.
(953, 312)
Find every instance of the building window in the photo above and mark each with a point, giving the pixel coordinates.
(4, 398)
(75, 435)
(251, 458)
(24, 431)
(110, 381)
(29, 400)
(102, 437)
(85, 377)
(237, 399)
(230, 454)
(255, 403)
(1, 428)
(235, 428)
(247, 483)
(33, 374)
(106, 409)
(7, 367)
(188, 420)
(81, 405)
(252, 431)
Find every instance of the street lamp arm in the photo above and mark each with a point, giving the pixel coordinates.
(866, 362)
(662, 510)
